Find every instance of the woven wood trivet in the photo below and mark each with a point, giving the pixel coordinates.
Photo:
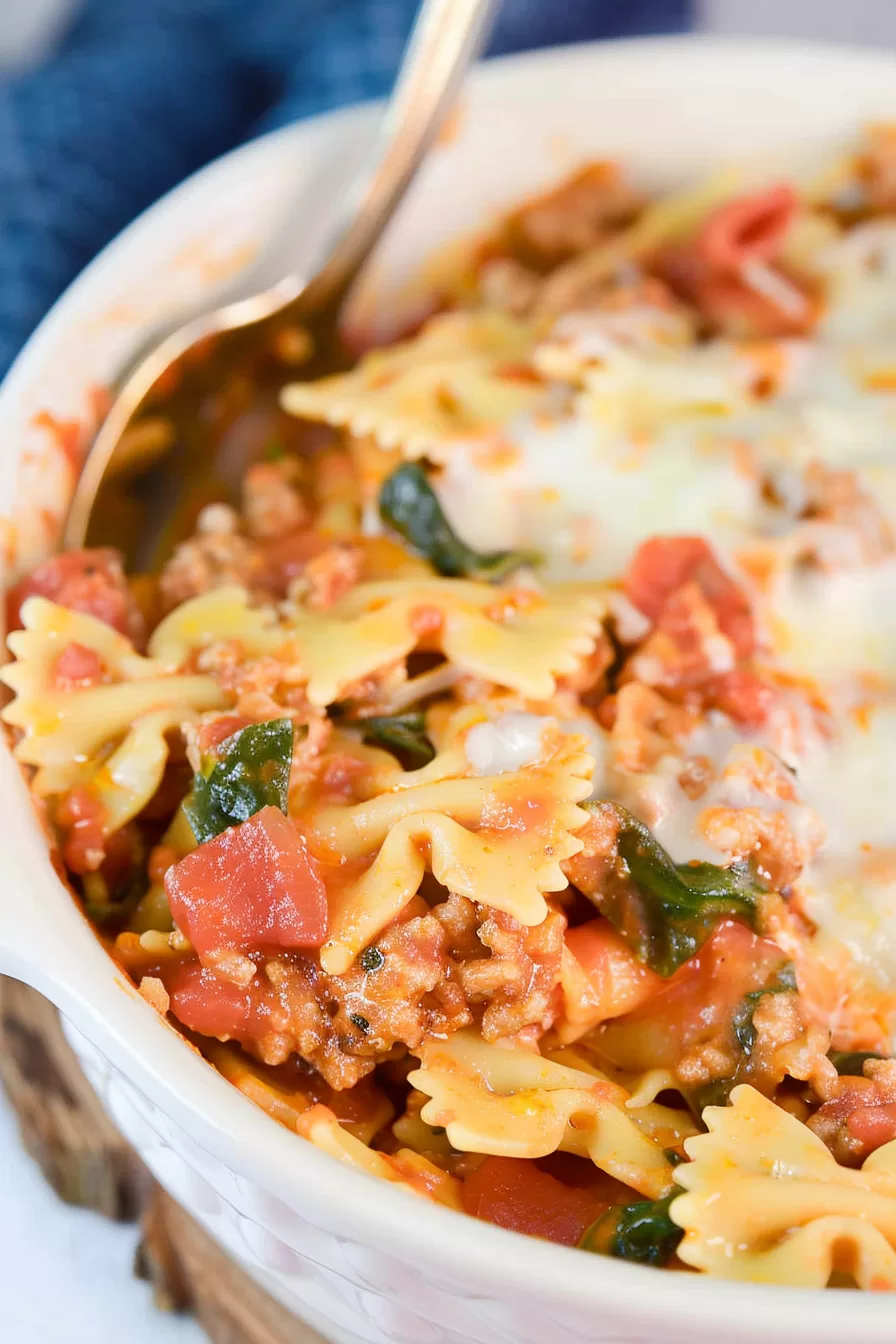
(87, 1162)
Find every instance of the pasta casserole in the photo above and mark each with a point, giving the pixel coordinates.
(501, 792)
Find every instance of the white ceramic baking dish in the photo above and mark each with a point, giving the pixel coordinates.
(361, 1260)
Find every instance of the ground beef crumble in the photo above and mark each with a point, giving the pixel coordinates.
(426, 976)
(209, 561)
(272, 503)
(512, 969)
(345, 1024)
(571, 218)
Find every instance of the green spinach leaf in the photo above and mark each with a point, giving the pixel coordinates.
(643, 1232)
(851, 1063)
(248, 771)
(402, 734)
(742, 1022)
(410, 506)
(664, 910)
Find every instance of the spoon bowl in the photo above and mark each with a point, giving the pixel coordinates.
(168, 438)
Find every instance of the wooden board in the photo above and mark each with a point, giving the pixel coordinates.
(87, 1162)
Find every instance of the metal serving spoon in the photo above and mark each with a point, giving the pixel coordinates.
(154, 449)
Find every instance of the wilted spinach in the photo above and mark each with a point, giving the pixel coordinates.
(851, 1063)
(410, 506)
(402, 734)
(642, 1232)
(248, 771)
(664, 910)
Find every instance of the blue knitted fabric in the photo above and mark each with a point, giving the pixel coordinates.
(142, 92)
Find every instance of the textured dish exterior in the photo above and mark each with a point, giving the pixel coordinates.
(362, 1262)
(355, 1293)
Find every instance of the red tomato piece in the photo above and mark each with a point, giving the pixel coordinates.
(286, 557)
(737, 309)
(662, 565)
(92, 582)
(863, 1112)
(618, 981)
(743, 696)
(695, 1002)
(873, 1125)
(77, 667)
(659, 566)
(216, 731)
(514, 1193)
(212, 1006)
(253, 888)
(727, 302)
(82, 817)
(750, 228)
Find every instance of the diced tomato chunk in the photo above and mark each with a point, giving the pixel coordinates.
(742, 695)
(749, 228)
(514, 1193)
(873, 1126)
(212, 1006)
(286, 557)
(736, 308)
(92, 582)
(859, 1118)
(727, 302)
(662, 565)
(81, 816)
(253, 888)
(78, 667)
(696, 1002)
(710, 270)
(618, 982)
(216, 731)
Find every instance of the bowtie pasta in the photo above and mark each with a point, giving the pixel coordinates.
(501, 794)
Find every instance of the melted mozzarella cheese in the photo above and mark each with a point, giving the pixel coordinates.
(851, 782)
(516, 739)
(850, 888)
(860, 282)
(506, 743)
(830, 626)
(662, 439)
(854, 902)
(587, 502)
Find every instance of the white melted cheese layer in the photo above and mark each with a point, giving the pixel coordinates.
(663, 440)
(507, 743)
(848, 782)
(586, 503)
(668, 441)
(850, 889)
(831, 626)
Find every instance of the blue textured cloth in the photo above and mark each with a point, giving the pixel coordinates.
(141, 92)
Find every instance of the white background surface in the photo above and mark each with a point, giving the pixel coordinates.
(65, 1275)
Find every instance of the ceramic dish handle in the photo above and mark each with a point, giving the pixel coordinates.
(44, 936)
